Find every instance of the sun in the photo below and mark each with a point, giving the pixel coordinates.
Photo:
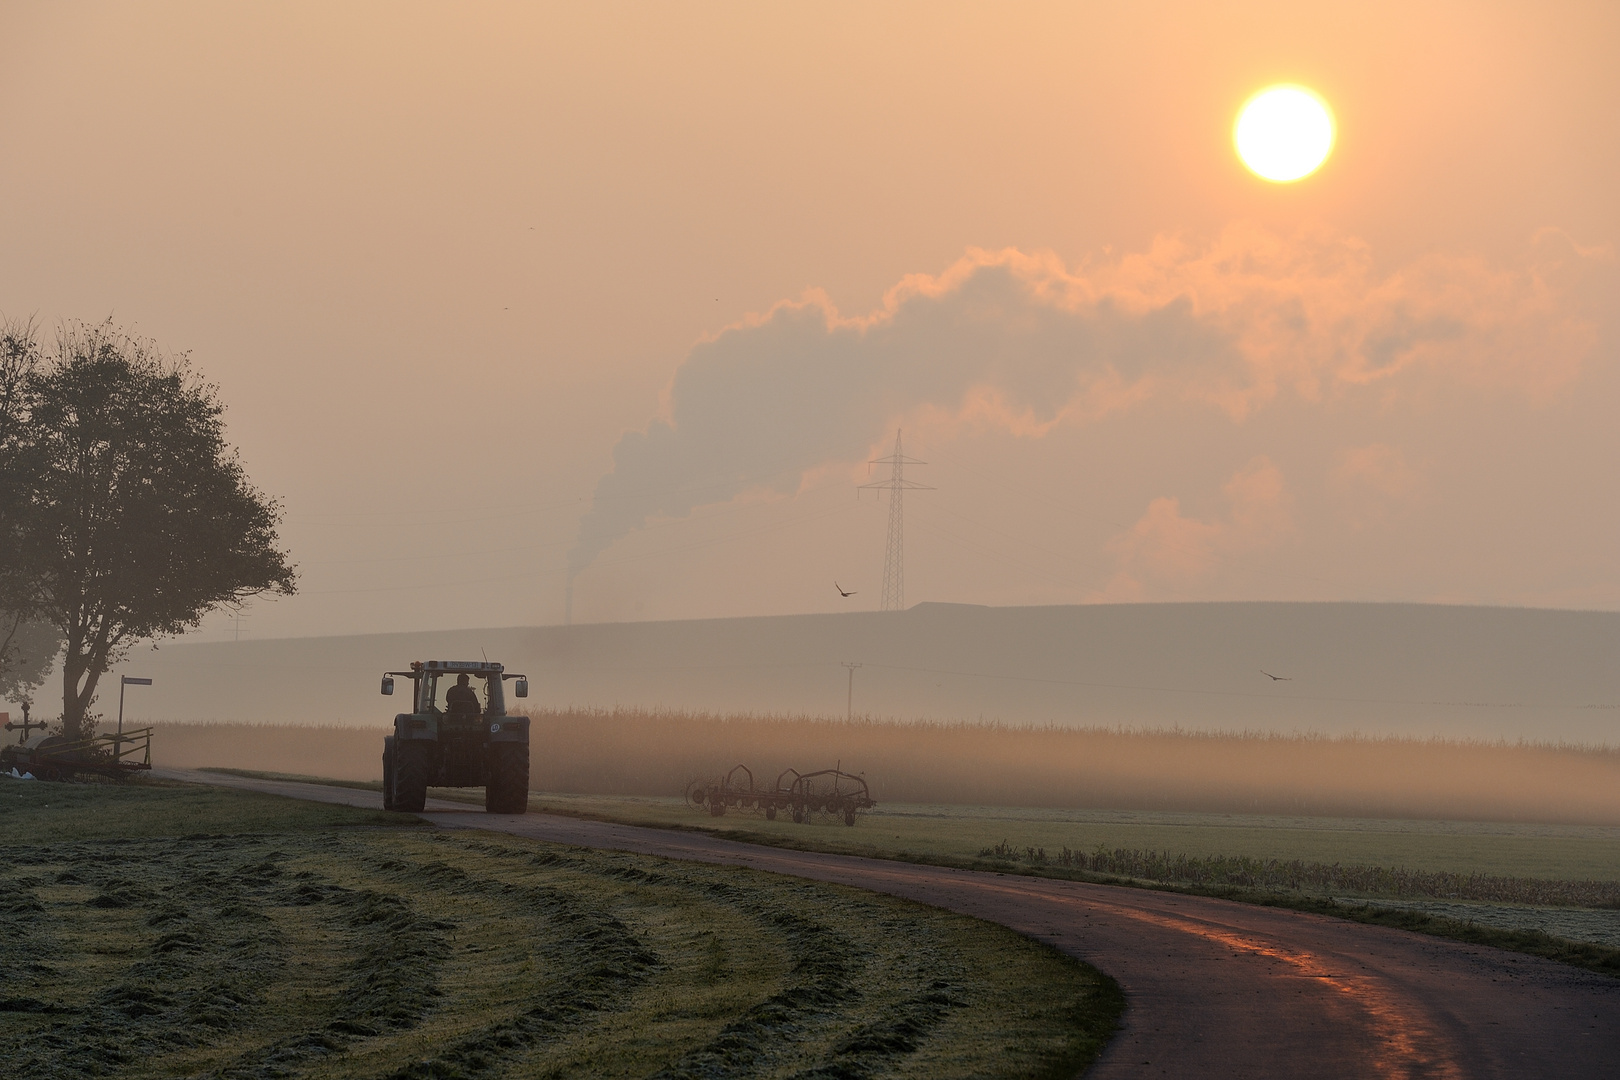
(1284, 133)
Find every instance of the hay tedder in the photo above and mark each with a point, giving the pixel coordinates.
(828, 791)
(53, 757)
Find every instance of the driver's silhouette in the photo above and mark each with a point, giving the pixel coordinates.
(461, 699)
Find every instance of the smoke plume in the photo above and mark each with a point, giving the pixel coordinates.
(1023, 342)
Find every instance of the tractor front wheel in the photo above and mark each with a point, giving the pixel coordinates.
(412, 763)
(508, 789)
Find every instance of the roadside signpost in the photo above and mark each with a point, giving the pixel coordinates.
(126, 680)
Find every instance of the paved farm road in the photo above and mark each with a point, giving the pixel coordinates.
(1216, 989)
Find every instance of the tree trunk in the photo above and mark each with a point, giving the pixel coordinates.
(83, 664)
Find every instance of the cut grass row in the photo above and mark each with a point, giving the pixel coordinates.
(872, 837)
(155, 929)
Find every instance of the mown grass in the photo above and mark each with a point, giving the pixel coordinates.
(268, 937)
(943, 836)
(35, 813)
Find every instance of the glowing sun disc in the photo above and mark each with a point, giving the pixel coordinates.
(1284, 133)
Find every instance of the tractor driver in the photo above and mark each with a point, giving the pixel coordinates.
(461, 698)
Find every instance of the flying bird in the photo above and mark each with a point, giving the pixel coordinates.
(842, 591)
(1276, 678)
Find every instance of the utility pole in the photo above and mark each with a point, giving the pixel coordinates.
(894, 569)
(849, 714)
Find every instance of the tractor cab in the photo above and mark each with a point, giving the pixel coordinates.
(457, 734)
(434, 681)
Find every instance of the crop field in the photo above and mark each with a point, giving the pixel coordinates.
(157, 930)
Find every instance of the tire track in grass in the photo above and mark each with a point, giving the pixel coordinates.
(390, 985)
(809, 1017)
(825, 983)
(202, 959)
(606, 961)
(22, 919)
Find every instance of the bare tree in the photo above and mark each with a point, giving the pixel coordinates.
(127, 515)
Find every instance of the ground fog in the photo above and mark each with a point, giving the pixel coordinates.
(644, 752)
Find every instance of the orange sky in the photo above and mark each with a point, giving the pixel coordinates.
(441, 259)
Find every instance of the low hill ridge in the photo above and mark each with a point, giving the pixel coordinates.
(1421, 669)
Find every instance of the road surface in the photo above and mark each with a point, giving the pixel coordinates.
(1215, 989)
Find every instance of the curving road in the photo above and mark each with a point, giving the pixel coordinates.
(1215, 989)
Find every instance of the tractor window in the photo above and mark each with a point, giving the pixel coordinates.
(435, 687)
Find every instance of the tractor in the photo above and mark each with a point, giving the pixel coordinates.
(452, 739)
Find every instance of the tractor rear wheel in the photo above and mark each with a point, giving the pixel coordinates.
(412, 763)
(388, 772)
(508, 789)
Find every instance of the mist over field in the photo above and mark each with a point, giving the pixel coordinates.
(1377, 710)
(627, 752)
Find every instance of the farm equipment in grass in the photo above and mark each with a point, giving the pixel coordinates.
(460, 743)
(53, 757)
(828, 791)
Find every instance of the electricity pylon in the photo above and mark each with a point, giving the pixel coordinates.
(894, 558)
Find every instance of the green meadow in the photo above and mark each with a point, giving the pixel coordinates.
(155, 929)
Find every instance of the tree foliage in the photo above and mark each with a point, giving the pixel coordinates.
(127, 515)
(28, 647)
(19, 360)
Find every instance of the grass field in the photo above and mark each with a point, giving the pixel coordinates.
(1554, 852)
(1545, 890)
(152, 929)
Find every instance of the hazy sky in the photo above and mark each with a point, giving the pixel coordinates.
(459, 268)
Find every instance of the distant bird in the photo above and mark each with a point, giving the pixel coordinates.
(1276, 678)
(842, 591)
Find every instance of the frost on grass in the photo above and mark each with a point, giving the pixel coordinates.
(305, 950)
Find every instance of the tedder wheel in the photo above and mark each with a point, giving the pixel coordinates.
(770, 812)
(849, 816)
(388, 772)
(717, 805)
(798, 815)
(508, 789)
(412, 762)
